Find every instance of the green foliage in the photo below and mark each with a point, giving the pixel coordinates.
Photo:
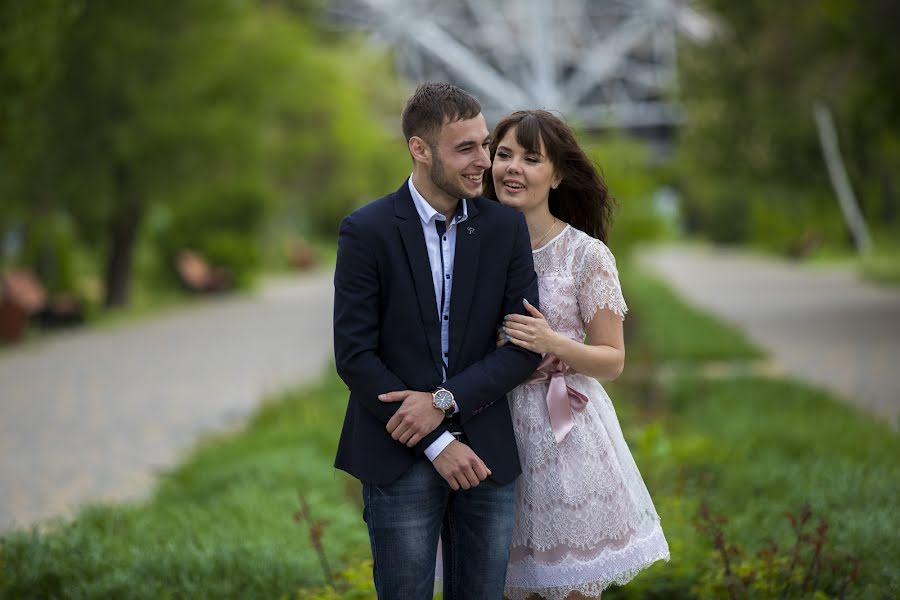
(632, 180)
(218, 223)
(749, 161)
(804, 567)
(751, 448)
(883, 264)
(353, 583)
(212, 118)
(220, 524)
(753, 462)
(52, 251)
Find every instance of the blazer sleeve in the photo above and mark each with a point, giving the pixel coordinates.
(488, 380)
(356, 327)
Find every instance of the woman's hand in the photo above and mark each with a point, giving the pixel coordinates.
(532, 333)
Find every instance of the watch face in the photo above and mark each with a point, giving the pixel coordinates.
(443, 399)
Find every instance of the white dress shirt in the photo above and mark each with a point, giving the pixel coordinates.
(441, 252)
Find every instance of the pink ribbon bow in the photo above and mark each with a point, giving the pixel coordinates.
(562, 399)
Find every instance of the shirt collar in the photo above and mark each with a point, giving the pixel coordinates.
(427, 212)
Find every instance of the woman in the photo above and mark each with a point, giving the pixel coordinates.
(584, 519)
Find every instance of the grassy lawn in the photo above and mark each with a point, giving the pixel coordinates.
(660, 325)
(753, 449)
(220, 525)
(883, 264)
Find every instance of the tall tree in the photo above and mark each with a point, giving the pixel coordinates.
(214, 110)
(749, 97)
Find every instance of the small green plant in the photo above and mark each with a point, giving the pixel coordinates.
(352, 583)
(316, 531)
(807, 568)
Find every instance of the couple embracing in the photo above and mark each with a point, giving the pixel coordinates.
(475, 308)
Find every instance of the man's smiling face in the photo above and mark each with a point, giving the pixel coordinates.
(460, 158)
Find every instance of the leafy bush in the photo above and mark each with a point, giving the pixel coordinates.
(52, 250)
(628, 170)
(223, 224)
(353, 583)
(778, 218)
(805, 568)
(753, 449)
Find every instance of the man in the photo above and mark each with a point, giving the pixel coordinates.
(427, 428)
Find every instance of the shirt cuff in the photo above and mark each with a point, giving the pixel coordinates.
(438, 445)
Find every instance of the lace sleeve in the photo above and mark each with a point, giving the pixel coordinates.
(597, 281)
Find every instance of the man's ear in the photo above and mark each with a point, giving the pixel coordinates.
(419, 149)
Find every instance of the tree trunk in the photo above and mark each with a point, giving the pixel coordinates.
(124, 227)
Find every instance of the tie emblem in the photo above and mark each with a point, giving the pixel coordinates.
(471, 230)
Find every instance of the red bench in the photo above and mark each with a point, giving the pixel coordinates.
(199, 277)
(21, 296)
(23, 299)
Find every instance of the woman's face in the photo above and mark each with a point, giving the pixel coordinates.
(522, 179)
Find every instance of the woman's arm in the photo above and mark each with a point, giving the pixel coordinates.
(601, 356)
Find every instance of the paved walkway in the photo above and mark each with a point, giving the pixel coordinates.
(823, 325)
(93, 415)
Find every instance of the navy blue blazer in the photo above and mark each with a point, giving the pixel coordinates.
(387, 331)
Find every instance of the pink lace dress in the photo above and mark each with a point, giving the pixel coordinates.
(584, 518)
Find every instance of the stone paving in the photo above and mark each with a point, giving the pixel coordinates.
(823, 325)
(92, 415)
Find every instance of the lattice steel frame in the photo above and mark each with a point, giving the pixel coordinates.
(601, 63)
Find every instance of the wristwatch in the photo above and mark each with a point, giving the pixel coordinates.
(443, 401)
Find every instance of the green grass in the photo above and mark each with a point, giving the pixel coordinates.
(753, 449)
(662, 325)
(220, 525)
(882, 265)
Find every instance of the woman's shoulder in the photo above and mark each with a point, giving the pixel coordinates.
(588, 254)
(587, 244)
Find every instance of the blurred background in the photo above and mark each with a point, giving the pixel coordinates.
(132, 133)
(198, 156)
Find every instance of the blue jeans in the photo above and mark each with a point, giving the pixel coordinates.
(405, 519)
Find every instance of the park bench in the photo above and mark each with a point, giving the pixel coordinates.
(805, 245)
(23, 299)
(199, 277)
(300, 254)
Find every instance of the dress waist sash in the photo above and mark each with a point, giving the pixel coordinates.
(562, 400)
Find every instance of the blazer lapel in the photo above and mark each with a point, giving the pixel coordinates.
(410, 227)
(465, 275)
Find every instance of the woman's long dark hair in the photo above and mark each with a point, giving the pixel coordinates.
(582, 199)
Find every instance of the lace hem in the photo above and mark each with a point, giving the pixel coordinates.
(589, 577)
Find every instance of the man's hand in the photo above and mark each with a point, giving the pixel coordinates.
(460, 466)
(416, 417)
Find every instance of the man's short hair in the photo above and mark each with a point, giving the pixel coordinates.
(434, 104)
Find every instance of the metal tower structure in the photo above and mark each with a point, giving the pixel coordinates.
(600, 63)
